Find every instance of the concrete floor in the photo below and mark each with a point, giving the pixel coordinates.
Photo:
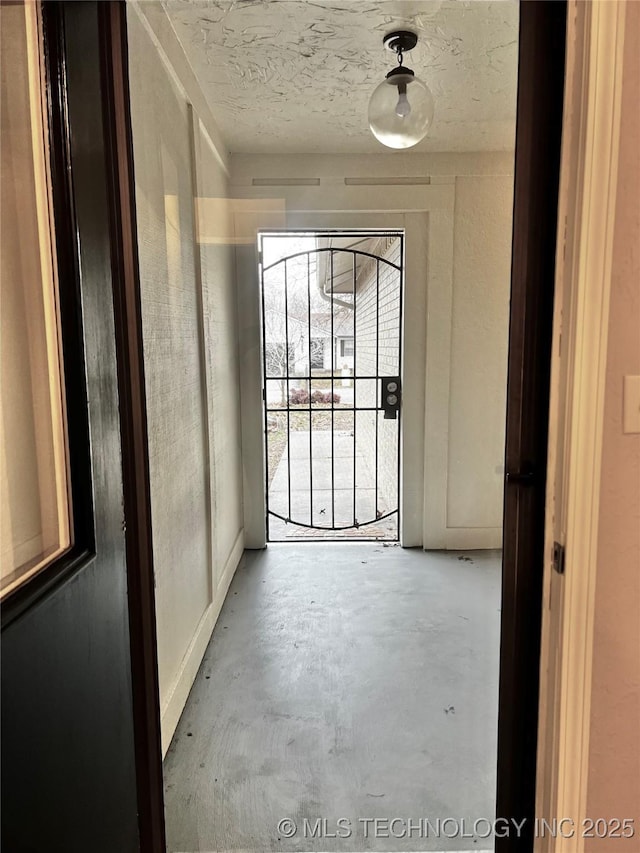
(343, 681)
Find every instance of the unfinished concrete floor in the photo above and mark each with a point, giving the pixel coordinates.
(343, 681)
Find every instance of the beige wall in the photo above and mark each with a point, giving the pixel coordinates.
(221, 356)
(479, 339)
(190, 347)
(20, 508)
(463, 275)
(614, 745)
(34, 523)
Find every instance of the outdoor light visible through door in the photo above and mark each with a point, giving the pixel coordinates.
(401, 107)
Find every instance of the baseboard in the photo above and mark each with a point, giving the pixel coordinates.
(464, 539)
(261, 850)
(178, 694)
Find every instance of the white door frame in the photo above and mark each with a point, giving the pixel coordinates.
(426, 214)
(589, 171)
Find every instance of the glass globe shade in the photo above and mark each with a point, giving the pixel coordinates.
(400, 111)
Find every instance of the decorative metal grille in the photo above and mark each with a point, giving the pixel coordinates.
(331, 333)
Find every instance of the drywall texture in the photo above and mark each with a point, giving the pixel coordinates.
(191, 365)
(466, 201)
(479, 340)
(614, 746)
(221, 352)
(297, 76)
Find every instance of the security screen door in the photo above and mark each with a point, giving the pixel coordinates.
(331, 331)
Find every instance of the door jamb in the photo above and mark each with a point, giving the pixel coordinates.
(399, 233)
(365, 209)
(536, 176)
(583, 283)
(133, 425)
(517, 744)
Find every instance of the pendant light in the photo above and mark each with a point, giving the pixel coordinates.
(401, 107)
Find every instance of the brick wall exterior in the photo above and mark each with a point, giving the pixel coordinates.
(384, 301)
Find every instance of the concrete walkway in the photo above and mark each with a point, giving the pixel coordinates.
(311, 490)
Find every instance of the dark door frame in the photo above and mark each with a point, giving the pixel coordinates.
(108, 42)
(114, 59)
(537, 172)
(539, 127)
(86, 89)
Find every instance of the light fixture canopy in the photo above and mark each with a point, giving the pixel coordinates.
(401, 107)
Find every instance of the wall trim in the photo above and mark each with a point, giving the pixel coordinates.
(205, 378)
(315, 208)
(335, 168)
(438, 380)
(464, 539)
(589, 218)
(178, 693)
(321, 196)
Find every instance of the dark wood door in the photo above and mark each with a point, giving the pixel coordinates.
(68, 733)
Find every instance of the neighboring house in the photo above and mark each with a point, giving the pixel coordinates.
(341, 335)
(380, 297)
(307, 356)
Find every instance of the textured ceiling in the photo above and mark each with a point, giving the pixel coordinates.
(295, 76)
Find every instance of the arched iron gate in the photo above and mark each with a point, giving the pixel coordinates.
(331, 334)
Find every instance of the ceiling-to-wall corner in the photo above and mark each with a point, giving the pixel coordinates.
(160, 29)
